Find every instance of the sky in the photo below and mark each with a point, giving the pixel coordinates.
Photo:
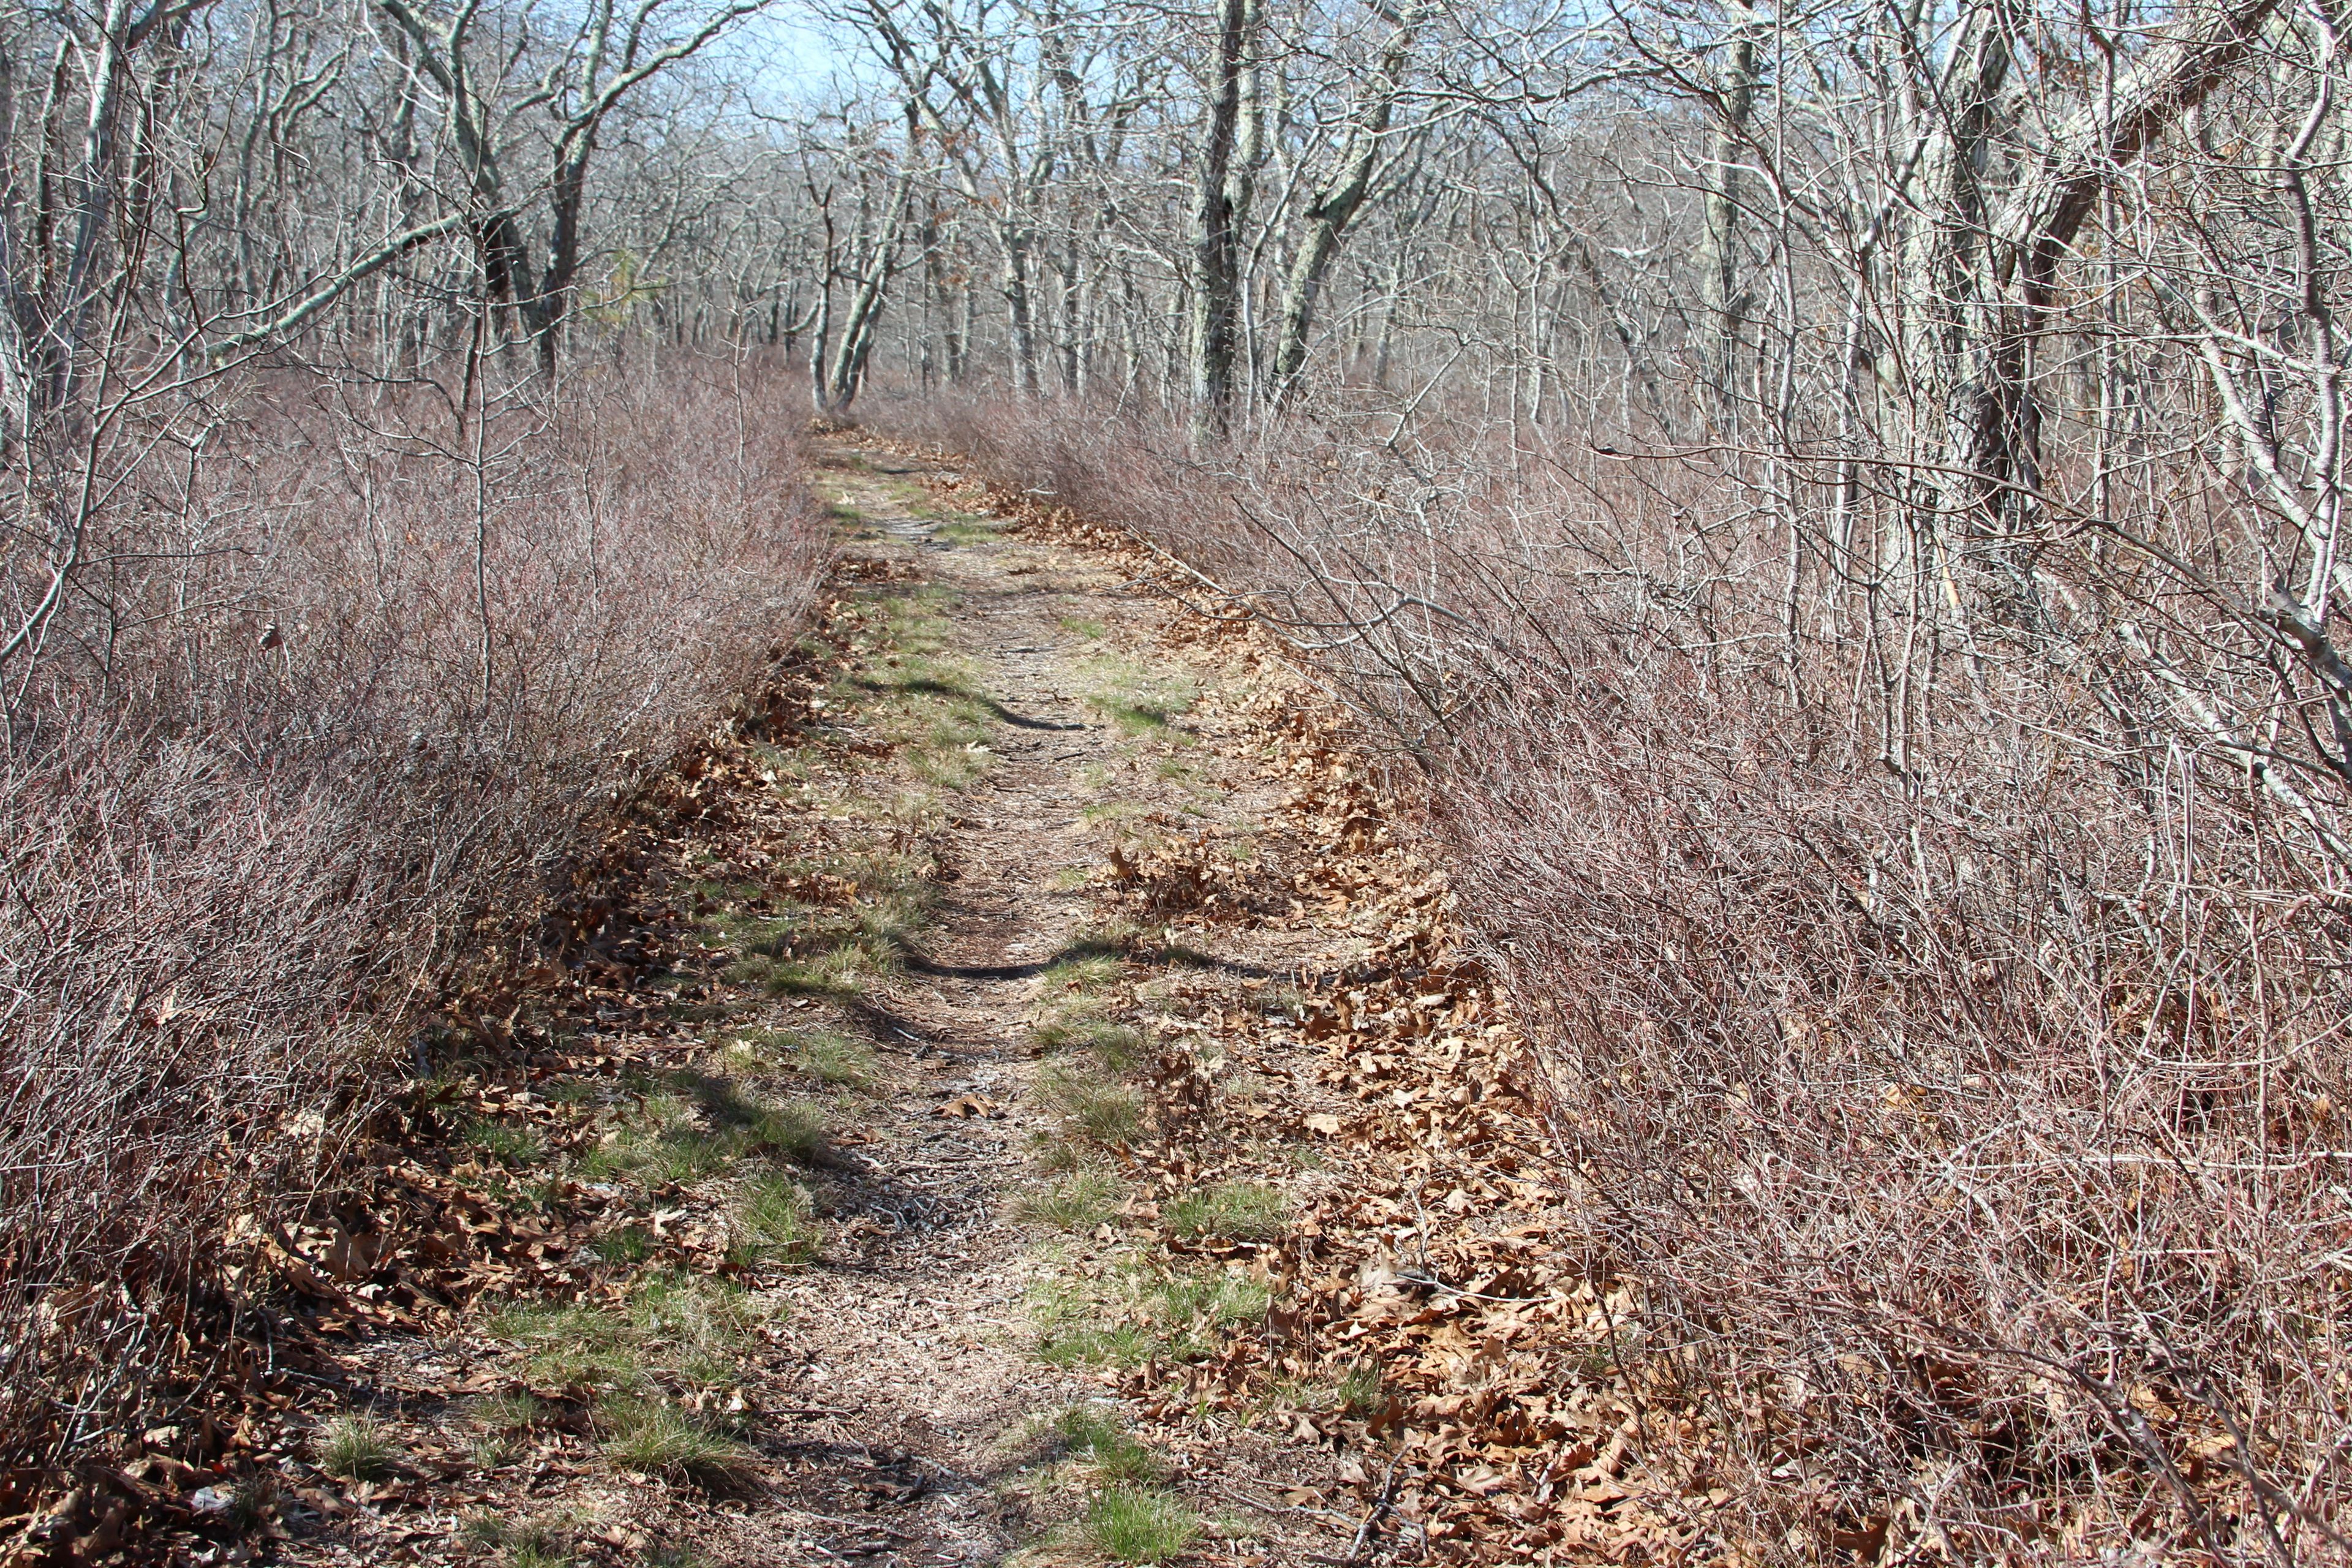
(797, 55)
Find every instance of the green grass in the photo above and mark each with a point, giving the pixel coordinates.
(1084, 972)
(772, 1225)
(1139, 1524)
(354, 1448)
(654, 1438)
(1096, 1434)
(572, 1346)
(520, 1543)
(941, 719)
(1133, 698)
(1073, 1020)
(831, 1058)
(1077, 1201)
(629, 1244)
(700, 1125)
(697, 1328)
(835, 1059)
(1090, 1109)
(1086, 1345)
(1235, 1211)
(839, 972)
(507, 1142)
(825, 949)
(515, 1412)
(1142, 1314)
(1357, 1391)
(491, 1450)
(965, 531)
(690, 1329)
(1079, 626)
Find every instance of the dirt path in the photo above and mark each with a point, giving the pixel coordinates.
(925, 1338)
(801, 1215)
(1005, 1100)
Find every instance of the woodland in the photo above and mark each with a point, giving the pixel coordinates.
(1825, 515)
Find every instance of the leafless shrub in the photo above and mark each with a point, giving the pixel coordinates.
(325, 697)
(1968, 1107)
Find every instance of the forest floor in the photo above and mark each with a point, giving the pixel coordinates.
(1012, 1099)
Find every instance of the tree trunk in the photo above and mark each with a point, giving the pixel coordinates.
(1727, 296)
(1216, 247)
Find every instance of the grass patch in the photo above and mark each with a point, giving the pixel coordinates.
(491, 1450)
(572, 1347)
(1235, 1211)
(1139, 1524)
(1357, 1391)
(770, 1225)
(628, 1245)
(839, 972)
(515, 1412)
(1077, 1201)
(1084, 972)
(828, 949)
(1074, 1021)
(1144, 1314)
(835, 1059)
(691, 1329)
(1091, 1109)
(699, 1125)
(654, 1438)
(507, 1142)
(1134, 698)
(1096, 1434)
(697, 1328)
(1090, 1344)
(545, 1543)
(354, 1448)
(964, 531)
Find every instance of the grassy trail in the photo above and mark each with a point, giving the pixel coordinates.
(876, 1156)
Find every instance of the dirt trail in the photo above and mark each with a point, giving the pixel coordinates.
(1008, 1096)
(689, 1330)
(924, 1340)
